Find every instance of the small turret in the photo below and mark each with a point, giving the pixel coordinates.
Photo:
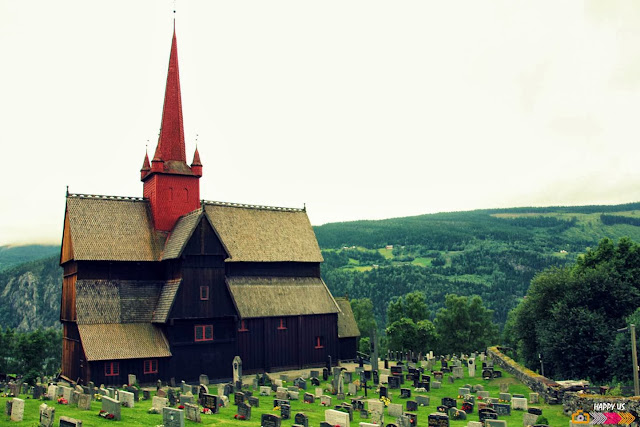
(196, 166)
(146, 167)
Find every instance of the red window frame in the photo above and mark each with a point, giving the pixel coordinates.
(283, 324)
(319, 342)
(151, 366)
(111, 369)
(243, 327)
(204, 293)
(203, 333)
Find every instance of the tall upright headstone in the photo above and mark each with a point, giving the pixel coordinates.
(374, 350)
(237, 370)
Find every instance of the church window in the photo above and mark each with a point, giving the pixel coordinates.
(204, 333)
(151, 366)
(111, 369)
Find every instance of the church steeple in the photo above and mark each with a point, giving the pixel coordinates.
(170, 184)
(171, 140)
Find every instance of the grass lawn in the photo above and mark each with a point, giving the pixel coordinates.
(138, 416)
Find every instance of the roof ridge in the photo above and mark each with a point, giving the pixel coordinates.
(248, 206)
(104, 197)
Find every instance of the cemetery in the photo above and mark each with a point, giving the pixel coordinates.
(280, 399)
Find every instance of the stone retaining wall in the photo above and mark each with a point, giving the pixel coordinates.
(551, 391)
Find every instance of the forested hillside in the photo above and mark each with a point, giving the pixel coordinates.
(490, 253)
(14, 255)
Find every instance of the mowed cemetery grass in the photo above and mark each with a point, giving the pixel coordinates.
(138, 415)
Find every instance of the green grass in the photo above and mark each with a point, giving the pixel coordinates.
(138, 416)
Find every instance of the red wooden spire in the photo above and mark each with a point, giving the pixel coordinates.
(171, 140)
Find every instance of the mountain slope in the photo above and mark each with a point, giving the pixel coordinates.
(14, 255)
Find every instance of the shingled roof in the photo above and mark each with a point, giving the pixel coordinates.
(123, 341)
(122, 301)
(112, 229)
(347, 326)
(280, 296)
(264, 234)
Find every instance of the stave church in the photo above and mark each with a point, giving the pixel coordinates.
(171, 286)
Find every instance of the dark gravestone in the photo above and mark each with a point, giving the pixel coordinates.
(413, 418)
(376, 378)
(325, 374)
(487, 414)
(301, 419)
(244, 410)
(285, 411)
(383, 392)
(535, 411)
(227, 390)
(270, 420)
(438, 419)
(69, 422)
(396, 370)
(497, 374)
(449, 402)
(364, 413)
(357, 404)
(487, 374)
(405, 393)
(300, 383)
(502, 408)
(394, 382)
(171, 395)
(315, 382)
(467, 407)
(238, 398)
(412, 405)
(280, 402)
(309, 398)
(254, 402)
(210, 401)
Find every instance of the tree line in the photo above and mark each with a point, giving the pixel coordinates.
(31, 354)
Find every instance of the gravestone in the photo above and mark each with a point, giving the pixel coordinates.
(352, 389)
(467, 407)
(270, 420)
(309, 398)
(534, 398)
(535, 411)
(244, 410)
(405, 393)
(337, 418)
(394, 382)
(210, 401)
(375, 406)
(300, 383)
(495, 423)
(238, 397)
(519, 403)
(254, 402)
(471, 366)
(436, 384)
(529, 419)
(126, 398)
(502, 408)
(505, 397)
(438, 419)
(171, 396)
(172, 417)
(463, 391)
(111, 406)
(84, 402)
(412, 405)
(204, 379)
(265, 391)
(422, 400)
(383, 392)
(457, 372)
(69, 422)
(158, 402)
(395, 410)
(482, 394)
(51, 392)
(301, 419)
(449, 402)
(285, 411)
(504, 388)
(8, 406)
(131, 379)
(325, 400)
(17, 409)
(186, 398)
(192, 412)
(487, 414)
(47, 415)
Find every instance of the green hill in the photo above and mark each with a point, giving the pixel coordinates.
(14, 255)
(491, 253)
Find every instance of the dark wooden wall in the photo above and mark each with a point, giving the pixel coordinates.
(265, 347)
(73, 363)
(348, 348)
(278, 269)
(120, 270)
(129, 366)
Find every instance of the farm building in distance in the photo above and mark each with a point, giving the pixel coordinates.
(171, 286)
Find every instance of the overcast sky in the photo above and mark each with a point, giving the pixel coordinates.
(360, 109)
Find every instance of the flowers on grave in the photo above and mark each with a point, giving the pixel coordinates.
(62, 401)
(206, 411)
(276, 408)
(105, 414)
(97, 397)
(239, 417)
(181, 407)
(385, 400)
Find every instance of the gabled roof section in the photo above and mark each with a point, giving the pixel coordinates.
(109, 228)
(123, 341)
(264, 234)
(181, 234)
(347, 326)
(280, 296)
